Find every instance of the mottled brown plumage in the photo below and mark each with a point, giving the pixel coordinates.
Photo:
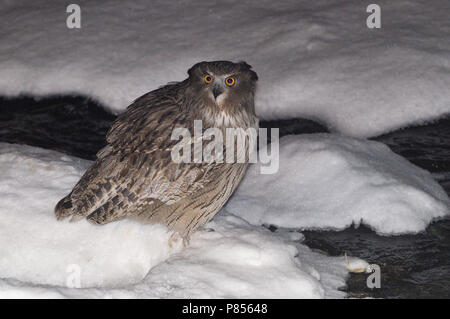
(135, 176)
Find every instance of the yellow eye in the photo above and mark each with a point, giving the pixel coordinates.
(208, 79)
(230, 81)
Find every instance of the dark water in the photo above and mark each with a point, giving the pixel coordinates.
(72, 125)
(412, 266)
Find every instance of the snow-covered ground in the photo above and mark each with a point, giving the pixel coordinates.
(331, 181)
(40, 256)
(315, 59)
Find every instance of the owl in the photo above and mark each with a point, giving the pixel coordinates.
(135, 175)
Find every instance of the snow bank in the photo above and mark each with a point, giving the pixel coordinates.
(36, 248)
(40, 256)
(331, 181)
(315, 59)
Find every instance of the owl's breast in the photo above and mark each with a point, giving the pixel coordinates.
(226, 119)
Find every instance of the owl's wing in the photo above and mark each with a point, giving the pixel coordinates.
(146, 123)
(117, 186)
(135, 169)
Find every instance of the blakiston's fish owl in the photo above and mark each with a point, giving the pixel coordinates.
(135, 176)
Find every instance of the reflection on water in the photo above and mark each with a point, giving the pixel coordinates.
(412, 266)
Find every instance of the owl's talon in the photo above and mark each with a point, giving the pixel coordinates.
(175, 237)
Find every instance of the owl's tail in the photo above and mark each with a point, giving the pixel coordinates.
(64, 207)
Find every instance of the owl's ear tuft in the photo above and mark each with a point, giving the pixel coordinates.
(194, 67)
(244, 65)
(253, 75)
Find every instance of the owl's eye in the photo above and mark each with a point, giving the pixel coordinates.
(208, 79)
(230, 81)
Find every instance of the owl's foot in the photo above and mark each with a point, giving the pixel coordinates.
(175, 237)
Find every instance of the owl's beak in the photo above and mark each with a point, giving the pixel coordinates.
(217, 90)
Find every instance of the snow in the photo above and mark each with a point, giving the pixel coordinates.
(315, 59)
(42, 250)
(328, 181)
(40, 257)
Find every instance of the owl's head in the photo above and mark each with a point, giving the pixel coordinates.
(224, 85)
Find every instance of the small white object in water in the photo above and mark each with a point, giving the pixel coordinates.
(357, 265)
